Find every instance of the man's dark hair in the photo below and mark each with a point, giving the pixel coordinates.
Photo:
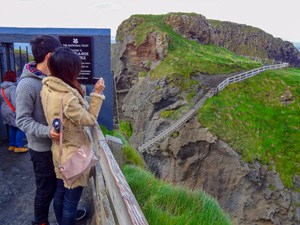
(43, 45)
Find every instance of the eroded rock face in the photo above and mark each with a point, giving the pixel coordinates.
(250, 193)
(132, 61)
(239, 38)
(143, 105)
(250, 41)
(137, 59)
(192, 26)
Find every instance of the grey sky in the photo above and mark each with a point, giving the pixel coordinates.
(278, 18)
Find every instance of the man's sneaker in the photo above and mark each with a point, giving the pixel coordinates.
(80, 214)
(11, 148)
(22, 149)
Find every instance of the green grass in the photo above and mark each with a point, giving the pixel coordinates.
(186, 57)
(131, 155)
(166, 113)
(252, 119)
(126, 129)
(164, 204)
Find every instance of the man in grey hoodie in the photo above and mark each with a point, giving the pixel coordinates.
(30, 119)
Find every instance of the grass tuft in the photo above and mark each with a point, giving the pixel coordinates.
(164, 204)
(131, 155)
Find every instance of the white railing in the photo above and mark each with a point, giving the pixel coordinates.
(237, 78)
(245, 75)
(174, 126)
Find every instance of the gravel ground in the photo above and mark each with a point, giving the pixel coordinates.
(17, 185)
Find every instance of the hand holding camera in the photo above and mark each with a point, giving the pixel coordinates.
(56, 125)
(99, 86)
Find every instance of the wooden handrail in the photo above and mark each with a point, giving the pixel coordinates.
(110, 184)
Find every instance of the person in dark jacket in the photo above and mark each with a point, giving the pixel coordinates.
(8, 112)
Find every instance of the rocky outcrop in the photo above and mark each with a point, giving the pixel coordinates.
(150, 98)
(249, 192)
(134, 59)
(140, 97)
(131, 60)
(196, 159)
(193, 157)
(239, 38)
(191, 26)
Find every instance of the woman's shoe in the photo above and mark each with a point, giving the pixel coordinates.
(22, 149)
(11, 148)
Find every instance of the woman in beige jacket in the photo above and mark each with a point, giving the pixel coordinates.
(65, 66)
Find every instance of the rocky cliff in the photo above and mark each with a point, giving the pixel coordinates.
(196, 159)
(249, 192)
(239, 38)
(193, 157)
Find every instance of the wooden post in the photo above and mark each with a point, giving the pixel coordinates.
(116, 146)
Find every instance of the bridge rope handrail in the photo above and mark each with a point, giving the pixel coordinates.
(213, 91)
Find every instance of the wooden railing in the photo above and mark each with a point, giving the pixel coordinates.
(114, 202)
(176, 125)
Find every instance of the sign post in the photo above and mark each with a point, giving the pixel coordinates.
(82, 46)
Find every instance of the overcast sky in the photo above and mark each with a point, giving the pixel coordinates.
(279, 18)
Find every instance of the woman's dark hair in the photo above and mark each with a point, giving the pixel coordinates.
(42, 45)
(66, 65)
(10, 76)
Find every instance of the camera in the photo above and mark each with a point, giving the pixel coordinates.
(56, 124)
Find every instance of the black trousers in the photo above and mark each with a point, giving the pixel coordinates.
(45, 180)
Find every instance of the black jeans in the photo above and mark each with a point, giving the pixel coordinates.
(45, 180)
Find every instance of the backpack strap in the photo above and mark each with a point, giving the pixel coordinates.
(7, 101)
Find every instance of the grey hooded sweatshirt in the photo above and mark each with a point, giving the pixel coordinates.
(30, 116)
(8, 116)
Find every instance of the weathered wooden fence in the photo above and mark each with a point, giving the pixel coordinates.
(176, 125)
(114, 202)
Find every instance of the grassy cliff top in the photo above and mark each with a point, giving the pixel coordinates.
(184, 57)
(259, 117)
